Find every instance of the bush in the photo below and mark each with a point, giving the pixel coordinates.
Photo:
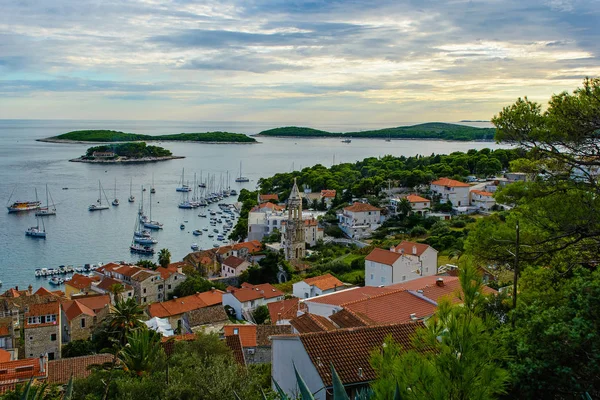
(418, 231)
(458, 223)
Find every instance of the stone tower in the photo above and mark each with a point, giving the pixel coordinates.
(294, 245)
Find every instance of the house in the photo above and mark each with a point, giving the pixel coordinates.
(451, 191)
(359, 220)
(281, 312)
(348, 350)
(208, 262)
(19, 372)
(264, 219)
(254, 340)
(246, 299)
(7, 338)
(81, 316)
(61, 371)
(328, 196)
(316, 286)
(233, 266)
(209, 319)
(482, 200)
(312, 232)
(308, 322)
(406, 261)
(148, 286)
(419, 205)
(328, 304)
(80, 284)
(263, 198)
(172, 276)
(42, 330)
(106, 286)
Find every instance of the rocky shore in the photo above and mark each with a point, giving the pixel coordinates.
(125, 160)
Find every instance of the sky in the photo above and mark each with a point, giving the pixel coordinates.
(293, 61)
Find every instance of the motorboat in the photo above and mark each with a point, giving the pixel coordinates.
(182, 226)
(139, 249)
(195, 246)
(197, 232)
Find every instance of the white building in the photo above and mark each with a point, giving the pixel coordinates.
(249, 297)
(451, 191)
(419, 205)
(312, 232)
(266, 218)
(482, 200)
(233, 266)
(359, 220)
(402, 263)
(317, 286)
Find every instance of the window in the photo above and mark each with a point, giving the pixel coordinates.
(129, 294)
(236, 331)
(144, 299)
(50, 356)
(371, 276)
(169, 287)
(144, 290)
(403, 277)
(30, 337)
(175, 278)
(83, 322)
(53, 337)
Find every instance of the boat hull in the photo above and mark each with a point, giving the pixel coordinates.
(24, 206)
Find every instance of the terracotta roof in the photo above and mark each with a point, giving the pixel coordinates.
(185, 304)
(269, 205)
(348, 295)
(264, 332)
(141, 276)
(328, 193)
(308, 322)
(36, 310)
(168, 343)
(449, 183)
(246, 332)
(413, 198)
(284, 309)
(448, 286)
(80, 282)
(324, 282)
(253, 246)
(310, 222)
(349, 350)
(347, 319)
(178, 264)
(391, 308)
(361, 207)
(165, 273)
(42, 291)
(253, 292)
(408, 247)
(422, 283)
(107, 282)
(235, 344)
(267, 197)
(74, 309)
(18, 371)
(207, 315)
(483, 193)
(96, 303)
(60, 371)
(127, 270)
(233, 262)
(382, 256)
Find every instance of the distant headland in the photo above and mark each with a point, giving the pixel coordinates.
(131, 152)
(108, 136)
(431, 130)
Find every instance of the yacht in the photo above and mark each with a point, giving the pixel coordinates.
(115, 202)
(140, 249)
(197, 232)
(36, 232)
(241, 178)
(46, 210)
(183, 187)
(195, 246)
(131, 198)
(98, 205)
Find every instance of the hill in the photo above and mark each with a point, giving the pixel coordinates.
(105, 136)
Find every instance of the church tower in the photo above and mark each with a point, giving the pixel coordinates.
(294, 229)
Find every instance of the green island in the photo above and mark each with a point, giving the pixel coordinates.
(430, 130)
(130, 152)
(105, 136)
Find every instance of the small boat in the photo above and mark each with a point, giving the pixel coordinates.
(233, 192)
(205, 229)
(47, 210)
(131, 198)
(36, 232)
(139, 249)
(115, 202)
(183, 187)
(152, 189)
(215, 230)
(144, 240)
(210, 235)
(347, 141)
(55, 281)
(197, 232)
(241, 178)
(65, 188)
(202, 215)
(99, 206)
(195, 246)
(216, 245)
(186, 205)
(182, 226)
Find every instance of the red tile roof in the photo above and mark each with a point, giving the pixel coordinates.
(382, 256)
(269, 205)
(348, 295)
(233, 262)
(349, 350)
(235, 344)
(73, 309)
(253, 246)
(250, 292)
(60, 371)
(406, 247)
(308, 322)
(246, 332)
(96, 303)
(483, 193)
(284, 309)
(449, 183)
(43, 292)
(448, 286)
(165, 273)
(391, 308)
(413, 198)
(4, 330)
(185, 304)
(13, 372)
(107, 282)
(36, 310)
(347, 319)
(4, 356)
(267, 197)
(264, 333)
(328, 193)
(361, 207)
(80, 282)
(325, 282)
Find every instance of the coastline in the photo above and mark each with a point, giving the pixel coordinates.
(372, 138)
(127, 160)
(68, 141)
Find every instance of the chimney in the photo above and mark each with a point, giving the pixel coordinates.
(360, 372)
(415, 250)
(413, 317)
(43, 363)
(440, 282)
(30, 289)
(393, 249)
(401, 250)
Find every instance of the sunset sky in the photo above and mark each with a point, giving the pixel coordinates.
(359, 61)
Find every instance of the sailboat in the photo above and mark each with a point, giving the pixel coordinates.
(131, 199)
(152, 190)
(47, 210)
(183, 187)
(137, 247)
(389, 138)
(142, 236)
(23, 205)
(99, 206)
(241, 178)
(148, 223)
(35, 231)
(115, 202)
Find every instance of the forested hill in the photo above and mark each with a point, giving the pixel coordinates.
(431, 130)
(104, 136)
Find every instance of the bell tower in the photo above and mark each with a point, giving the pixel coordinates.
(294, 230)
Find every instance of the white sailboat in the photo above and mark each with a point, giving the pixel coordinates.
(183, 187)
(99, 206)
(115, 202)
(149, 223)
(47, 210)
(141, 236)
(35, 231)
(241, 178)
(152, 190)
(137, 247)
(131, 199)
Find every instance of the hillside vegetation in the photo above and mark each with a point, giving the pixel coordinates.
(117, 136)
(131, 150)
(431, 130)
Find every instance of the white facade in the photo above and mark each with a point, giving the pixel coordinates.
(458, 196)
(247, 306)
(229, 271)
(482, 200)
(312, 233)
(356, 223)
(263, 222)
(407, 266)
(303, 290)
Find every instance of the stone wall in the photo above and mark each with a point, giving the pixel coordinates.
(77, 332)
(38, 340)
(262, 355)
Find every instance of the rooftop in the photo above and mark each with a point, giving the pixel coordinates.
(406, 247)
(107, 282)
(207, 315)
(308, 322)
(80, 282)
(73, 309)
(361, 207)
(345, 296)
(324, 282)
(413, 198)
(283, 309)
(267, 197)
(233, 262)
(382, 256)
(246, 332)
(250, 292)
(449, 183)
(264, 332)
(60, 371)
(483, 193)
(234, 342)
(328, 193)
(253, 246)
(185, 304)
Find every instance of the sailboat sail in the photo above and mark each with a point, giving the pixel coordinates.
(47, 209)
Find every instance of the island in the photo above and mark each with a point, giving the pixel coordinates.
(431, 130)
(131, 152)
(108, 136)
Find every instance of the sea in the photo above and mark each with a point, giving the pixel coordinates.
(76, 236)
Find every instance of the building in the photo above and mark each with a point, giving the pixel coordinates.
(406, 261)
(419, 205)
(359, 220)
(61, 371)
(172, 276)
(254, 340)
(81, 316)
(316, 286)
(209, 319)
(329, 304)
(80, 284)
(482, 200)
(281, 312)
(148, 286)
(19, 372)
(42, 330)
(312, 233)
(293, 243)
(348, 350)
(263, 198)
(328, 196)
(264, 219)
(308, 322)
(107, 286)
(233, 266)
(246, 299)
(451, 191)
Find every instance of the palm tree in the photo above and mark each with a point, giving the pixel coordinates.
(404, 208)
(116, 290)
(143, 352)
(125, 319)
(164, 257)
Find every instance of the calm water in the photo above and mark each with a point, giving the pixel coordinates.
(77, 236)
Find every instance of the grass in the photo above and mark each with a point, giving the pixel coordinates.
(445, 260)
(352, 276)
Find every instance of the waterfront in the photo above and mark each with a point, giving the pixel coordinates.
(77, 236)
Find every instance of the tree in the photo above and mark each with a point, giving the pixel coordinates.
(125, 318)
(147, 264)
(164, 257)
(143, 352)
(78, 348)
(117, 289)
(404, 208)
(261, 314)
(195, 283)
